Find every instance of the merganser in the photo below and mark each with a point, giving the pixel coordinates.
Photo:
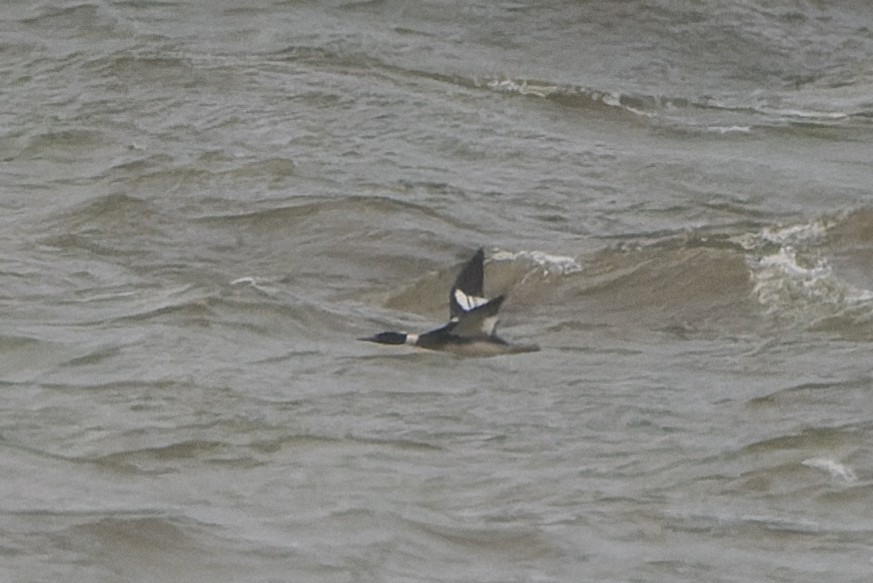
(472, 323)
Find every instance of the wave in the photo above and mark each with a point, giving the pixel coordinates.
(814, 275)
(719, 114)
(747, 278)
(803, 273)
(799, 276)
(836, 470)
(831, 96)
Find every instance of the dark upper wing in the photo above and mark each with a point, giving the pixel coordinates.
(466, 294)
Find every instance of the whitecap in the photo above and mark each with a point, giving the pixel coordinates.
(810, 232)
(523, 88)
(791, 275)
(833, 468)
(249, 282)
(730, 129)
(243, 281)
(550, 264)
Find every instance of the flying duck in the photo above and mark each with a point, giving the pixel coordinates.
(472, 321)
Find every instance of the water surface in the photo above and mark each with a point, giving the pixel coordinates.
(203, 206)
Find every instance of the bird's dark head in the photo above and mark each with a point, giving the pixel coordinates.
(387, 338)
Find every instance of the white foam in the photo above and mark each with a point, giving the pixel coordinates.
(795, 277)
(781, 280)
(550, 264)
(795, 234)
(785, 261)
(252, 283)
(730, 129)
(833, 468)
(802, 114)
(807, 114)
(523, 88)
(243, 281)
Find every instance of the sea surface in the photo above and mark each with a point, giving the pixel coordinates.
(204, 204)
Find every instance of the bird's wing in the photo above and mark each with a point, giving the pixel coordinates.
(466, 294)
(478, 321)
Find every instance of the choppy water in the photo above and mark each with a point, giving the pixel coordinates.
(203, 205)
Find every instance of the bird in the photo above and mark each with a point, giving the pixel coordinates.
(471, 329)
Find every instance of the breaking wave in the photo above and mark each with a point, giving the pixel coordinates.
(801, 272)
(726, 116)
(812, 276)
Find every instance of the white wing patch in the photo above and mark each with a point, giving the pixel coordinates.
(467, 302)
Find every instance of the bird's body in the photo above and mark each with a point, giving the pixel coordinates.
(471, 329)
